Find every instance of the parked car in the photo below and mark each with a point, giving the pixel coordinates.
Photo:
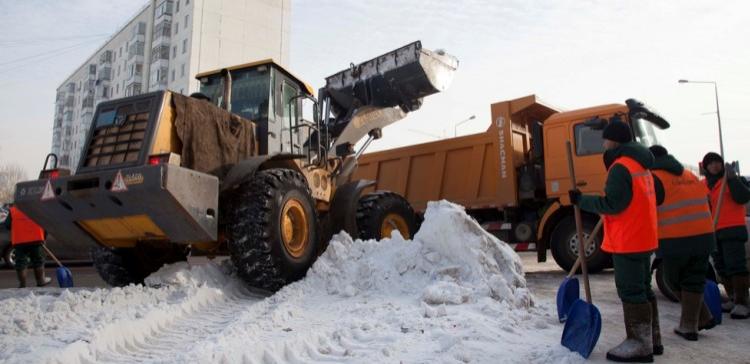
(67, 252)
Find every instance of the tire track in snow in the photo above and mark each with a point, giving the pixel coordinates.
(200, 322)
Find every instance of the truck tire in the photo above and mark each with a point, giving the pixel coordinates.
(564, 245)
(9, 256)
(272, 229)
(381, 212)
(122, 266)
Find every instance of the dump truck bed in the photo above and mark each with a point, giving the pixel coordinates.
(477, 171)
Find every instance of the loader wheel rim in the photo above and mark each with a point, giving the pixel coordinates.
(392, 222)
(294, 229)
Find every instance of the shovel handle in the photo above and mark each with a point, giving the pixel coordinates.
(579, 224)
(51, 255)
(590, 240)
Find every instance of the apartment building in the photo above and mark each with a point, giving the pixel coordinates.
(164, 46)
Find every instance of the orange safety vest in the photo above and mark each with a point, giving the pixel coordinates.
(732, 214)
(633, 230)
(685, 210)
(23, 230)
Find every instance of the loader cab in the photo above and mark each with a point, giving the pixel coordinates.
(267, 94)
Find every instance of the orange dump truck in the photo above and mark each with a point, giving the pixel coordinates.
(513, 178)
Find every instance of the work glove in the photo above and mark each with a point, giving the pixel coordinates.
(575, 196)
(730, 172)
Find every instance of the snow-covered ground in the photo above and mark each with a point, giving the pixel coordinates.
(454, 294)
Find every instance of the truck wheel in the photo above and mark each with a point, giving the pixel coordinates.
(122, 266)
(9, 256)
(381, 212)
(564, 245)
(272, 229)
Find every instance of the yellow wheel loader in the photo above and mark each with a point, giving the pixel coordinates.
(254, 165)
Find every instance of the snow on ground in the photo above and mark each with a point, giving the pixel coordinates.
(455, 294)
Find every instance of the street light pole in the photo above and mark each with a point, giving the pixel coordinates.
(718, 114)
(455, 127)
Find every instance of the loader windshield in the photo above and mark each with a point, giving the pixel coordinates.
(251, 89)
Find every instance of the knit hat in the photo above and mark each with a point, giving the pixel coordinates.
(617, 131)
(712, 157)
(658, 151)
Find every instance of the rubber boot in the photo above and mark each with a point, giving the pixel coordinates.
(705, 318)
(655, 329)
(741, 310)
(21, 274)
(728, 305)
(41, 280)
(637, 346)
(691, 303)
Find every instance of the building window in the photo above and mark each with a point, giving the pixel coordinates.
(182, 70)
(172, 75)
(187, 2)
(176, 28)
(174, 52)
(120, 55)
(177, 8)
(186, 19)
(159, 53)
(184, 46)
(117, 89)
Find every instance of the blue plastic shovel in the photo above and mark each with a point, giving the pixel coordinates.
(584, 322)
(64, 277)
(712, 297)
(569, 290)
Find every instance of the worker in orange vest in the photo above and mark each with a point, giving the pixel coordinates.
(686, 238)
(628, 208)
(27, 238)
(731, 232)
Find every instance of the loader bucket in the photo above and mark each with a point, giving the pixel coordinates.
(381, 91)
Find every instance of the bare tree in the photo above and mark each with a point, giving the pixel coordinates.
(10, 174)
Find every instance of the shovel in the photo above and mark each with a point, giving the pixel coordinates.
(64, 277)
(584, 322)
(711, 294)
(569, 290)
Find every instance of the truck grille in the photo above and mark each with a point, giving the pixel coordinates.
(117, 144)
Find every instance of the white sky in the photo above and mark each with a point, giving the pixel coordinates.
(571, 54)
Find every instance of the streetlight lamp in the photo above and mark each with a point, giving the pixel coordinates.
(455, 127)
(718, 115)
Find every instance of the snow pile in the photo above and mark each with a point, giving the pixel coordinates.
(451, 260)
(452, 294)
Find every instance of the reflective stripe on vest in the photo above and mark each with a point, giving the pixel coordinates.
(633, 230)
(22, 229)
(685, 211)
(732, 214)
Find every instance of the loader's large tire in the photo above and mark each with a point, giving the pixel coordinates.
(272, 229)
(381, 212)
(564, 245)
(122, 266)
(117, 267)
